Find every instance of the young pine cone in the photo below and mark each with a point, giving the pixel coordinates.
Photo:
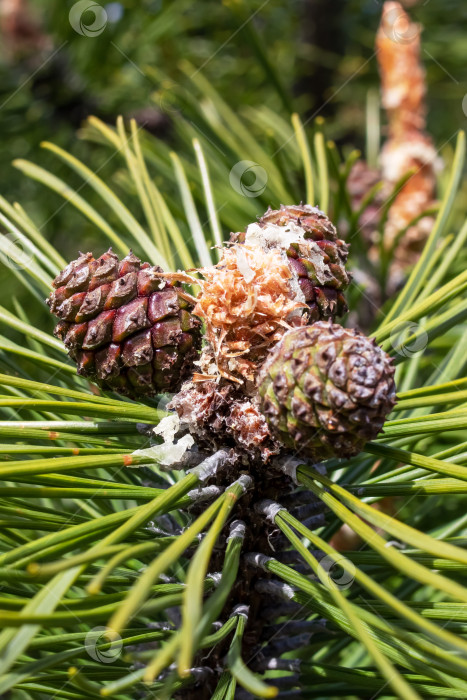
(326, 390)
(315, 254)
(126, 328)
(218, 415)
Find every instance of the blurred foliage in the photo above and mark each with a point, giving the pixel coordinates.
(309, 56)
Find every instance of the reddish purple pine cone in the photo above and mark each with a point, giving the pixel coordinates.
(318, 257)
(126, 328)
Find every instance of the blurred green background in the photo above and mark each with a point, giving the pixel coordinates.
(315, 57)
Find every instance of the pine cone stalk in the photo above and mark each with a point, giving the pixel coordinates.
(276, 377)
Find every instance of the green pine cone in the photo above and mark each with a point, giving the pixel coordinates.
(326, 390)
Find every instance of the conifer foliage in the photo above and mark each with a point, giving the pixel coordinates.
(178, 543)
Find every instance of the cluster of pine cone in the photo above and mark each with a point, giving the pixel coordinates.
(255, 360)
